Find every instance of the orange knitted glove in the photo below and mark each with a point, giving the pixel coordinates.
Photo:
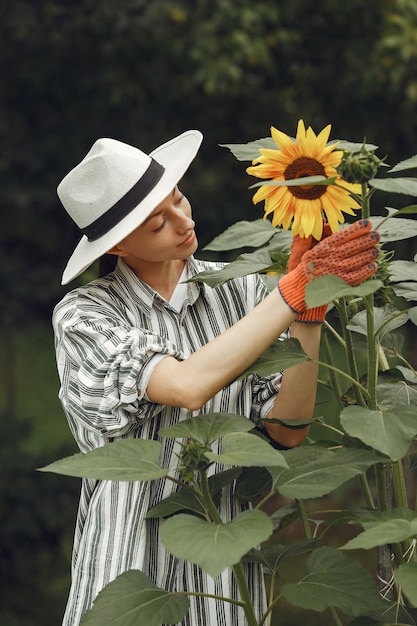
(299, 246)
(349, 253)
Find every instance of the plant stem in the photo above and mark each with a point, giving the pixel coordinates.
(309, 535)
(367, 494)
(333, 378)
(237, 569)
(355, 383)
(401, 500)
(372, 351)
(350, 352)
(304, 519)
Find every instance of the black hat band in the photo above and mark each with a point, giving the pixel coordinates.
(103, 224)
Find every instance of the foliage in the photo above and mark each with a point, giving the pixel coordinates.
(144, 71)
(371, 439)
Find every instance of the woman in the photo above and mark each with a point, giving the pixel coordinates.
(140, 349)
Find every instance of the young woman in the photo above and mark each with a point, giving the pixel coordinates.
(140, 349)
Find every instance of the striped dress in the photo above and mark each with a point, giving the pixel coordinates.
(109, 336)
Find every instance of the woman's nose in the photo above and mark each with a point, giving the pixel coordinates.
(185, 222)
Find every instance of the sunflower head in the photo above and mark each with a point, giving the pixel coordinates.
(302, 207)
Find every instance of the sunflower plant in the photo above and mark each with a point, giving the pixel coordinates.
(363, 435)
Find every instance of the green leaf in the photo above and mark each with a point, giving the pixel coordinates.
(406, 576)
(406, 290)
(407, 186)
(245, 264)
(314, 471)
(392, 395)
(252, 484)
(402, 271)
(407, 164)
(389, 432)
(247, 450)
(296, 182)
(249, 151)
(334, 580)
(186, 500)
(207, 428)
(386, 318)
(215, 546)
(392, 530)
(273, 555)
(325, 289)
(182, 500)
(413, 314)
(394, 230)
(243, 234)
(353, 146)
(127, 459)
(132, 599)
(280, 356)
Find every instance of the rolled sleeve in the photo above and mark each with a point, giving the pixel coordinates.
(106, 372)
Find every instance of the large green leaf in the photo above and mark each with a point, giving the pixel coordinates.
(413, 314)
(406, 576)
(392, 395)
(207, 428)
(394, 230)
(182, 500)
(215, 546)
(245, 264)
(243, 234)
(389, 432)
(132, 599)
(334, 580)
(403, 271)
(280, 356)
(296, 182)
(247, 450)
(407, 186)
(127, 459)
(185, 500)
(325, 289)
(393, 527)
(250, 151)
(407, 164)
(271, 556)
(315, 471)
(406, 290)
(386, 319)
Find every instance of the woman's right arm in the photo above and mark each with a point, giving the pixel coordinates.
(192, 382)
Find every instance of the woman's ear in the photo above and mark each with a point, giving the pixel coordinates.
(117, 251)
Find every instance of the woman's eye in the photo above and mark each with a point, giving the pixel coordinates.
(180, 199)
(160, 227)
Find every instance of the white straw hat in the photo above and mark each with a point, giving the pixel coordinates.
(115, 188)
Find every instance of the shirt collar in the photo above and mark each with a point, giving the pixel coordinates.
(144, 295)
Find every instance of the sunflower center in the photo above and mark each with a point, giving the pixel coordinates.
(303, 167)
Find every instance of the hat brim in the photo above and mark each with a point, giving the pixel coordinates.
(175, 156)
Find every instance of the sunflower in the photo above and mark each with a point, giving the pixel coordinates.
(301, 207)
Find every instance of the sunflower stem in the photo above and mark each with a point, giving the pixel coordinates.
(237, 569)
(334, 383)
(350, 351)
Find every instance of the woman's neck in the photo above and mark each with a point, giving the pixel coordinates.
(163, 277)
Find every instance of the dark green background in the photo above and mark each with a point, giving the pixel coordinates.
(143, 72)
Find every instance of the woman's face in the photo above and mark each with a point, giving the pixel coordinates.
(166, 235)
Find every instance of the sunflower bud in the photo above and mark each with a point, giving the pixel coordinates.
(192, 458)
(358, 167)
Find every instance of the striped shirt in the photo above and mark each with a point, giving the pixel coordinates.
(109, 336)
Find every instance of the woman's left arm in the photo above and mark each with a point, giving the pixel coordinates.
(297, 395)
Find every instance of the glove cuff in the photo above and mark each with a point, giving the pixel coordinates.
(292, 289)
(317, 315)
